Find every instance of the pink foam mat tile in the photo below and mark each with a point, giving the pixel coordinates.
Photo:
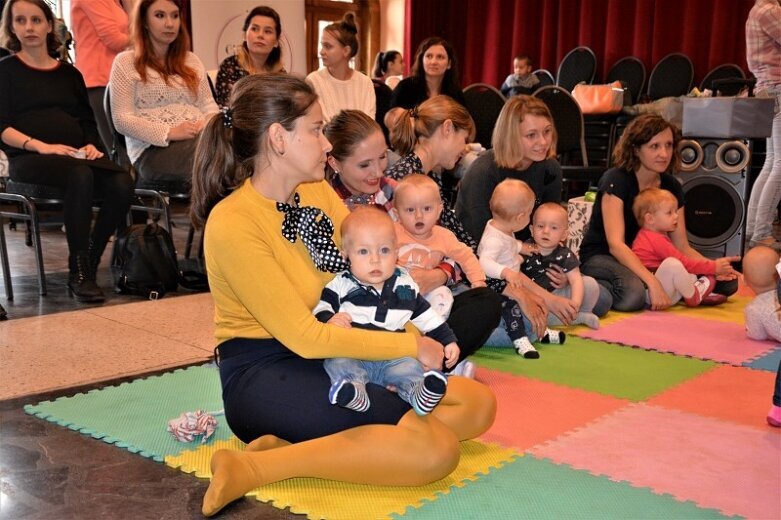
(531, 411)
(683, 335)
(735, 394)
(716, 464)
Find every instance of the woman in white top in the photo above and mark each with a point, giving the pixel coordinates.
(160, 98)
(337, 85)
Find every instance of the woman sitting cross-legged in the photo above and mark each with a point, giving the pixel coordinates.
(50, 137)
(259, 182)
(645, 157)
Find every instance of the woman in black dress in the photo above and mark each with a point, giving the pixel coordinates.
(48, 132)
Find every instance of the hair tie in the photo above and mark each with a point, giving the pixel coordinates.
(227, 117)
(413, 113)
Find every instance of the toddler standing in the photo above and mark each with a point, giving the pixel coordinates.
(499, 251)
(656, 211)
(376, 294)
(423, 244)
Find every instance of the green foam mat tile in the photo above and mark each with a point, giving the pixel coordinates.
(533, 488)
(623, 372)
(135, 415)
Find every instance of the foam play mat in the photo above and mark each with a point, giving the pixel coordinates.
(595, 428)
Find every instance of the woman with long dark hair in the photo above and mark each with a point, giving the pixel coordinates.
(259, 53)
(160, 97)
(435, 71)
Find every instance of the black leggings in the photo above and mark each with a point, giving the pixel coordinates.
(82, 181)
(474, 316)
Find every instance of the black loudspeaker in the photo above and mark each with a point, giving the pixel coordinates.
(714, 174)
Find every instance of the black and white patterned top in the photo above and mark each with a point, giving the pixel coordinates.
(411, 164)
(536, 266)
(230, 72)
(316, 231)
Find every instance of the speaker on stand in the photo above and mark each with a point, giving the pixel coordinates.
(714, 174)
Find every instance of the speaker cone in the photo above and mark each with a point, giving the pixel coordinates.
(691, 155)
(733, 156)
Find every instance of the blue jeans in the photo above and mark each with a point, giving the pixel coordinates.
(403, 373)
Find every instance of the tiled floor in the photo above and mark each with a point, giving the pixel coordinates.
(53, 346)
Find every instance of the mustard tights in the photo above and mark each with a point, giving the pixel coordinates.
(416, 451)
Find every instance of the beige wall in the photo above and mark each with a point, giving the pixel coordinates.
(392, 20)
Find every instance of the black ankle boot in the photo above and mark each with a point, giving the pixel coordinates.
(81, 281)
(95, 253)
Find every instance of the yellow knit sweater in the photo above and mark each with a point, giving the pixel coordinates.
(263, 286)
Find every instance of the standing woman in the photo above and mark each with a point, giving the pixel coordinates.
(763, 54)
(645, 157)
(49, 135)
(388, 68)
(160, 97)
(260, 53)
(101, 29)
(434, 72)
(258, 177)
(337, 85)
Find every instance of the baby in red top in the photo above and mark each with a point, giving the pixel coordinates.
(683, 277)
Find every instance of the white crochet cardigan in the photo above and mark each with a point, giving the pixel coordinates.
(336, 95)
(144, 112)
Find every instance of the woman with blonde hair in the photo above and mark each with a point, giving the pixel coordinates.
(259, 53)
(160, 97)
(339, 86)
(258, 182)
(524, 148)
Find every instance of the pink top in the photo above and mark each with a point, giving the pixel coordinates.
(429, 253)
(763, 43)
(101, 30)
(652, 248)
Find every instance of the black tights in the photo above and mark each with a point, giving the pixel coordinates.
(81, 182)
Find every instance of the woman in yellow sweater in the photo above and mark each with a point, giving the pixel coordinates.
(271, 242)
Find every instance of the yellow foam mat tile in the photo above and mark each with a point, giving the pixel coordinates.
(319, 498)
(730, 311)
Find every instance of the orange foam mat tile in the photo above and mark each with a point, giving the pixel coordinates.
(319, 498)
(530, 411)
(736, 394)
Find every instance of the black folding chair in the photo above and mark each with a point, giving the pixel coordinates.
(545, 77)
(580, 64)
(571, 147)
(721, 72)
(672, 76)
(484, 102)
(630, 71)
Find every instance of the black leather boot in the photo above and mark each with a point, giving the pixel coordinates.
(95, 253)
(81, 281)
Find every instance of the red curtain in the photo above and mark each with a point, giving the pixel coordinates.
(486, 34)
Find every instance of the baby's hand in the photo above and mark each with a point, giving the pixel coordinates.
(514, 279)
(451, 354)
(480, 283)
(341, 319)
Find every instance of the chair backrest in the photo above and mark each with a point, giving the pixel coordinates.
(630, 71)
(545, 77)
(484, 102)
(211, 77)
(382, 94)
(568, 120)
(580, 64)
(118, 149)
(723, 71)
(672, 76)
